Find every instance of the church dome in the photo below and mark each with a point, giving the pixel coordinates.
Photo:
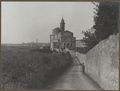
(56, 30)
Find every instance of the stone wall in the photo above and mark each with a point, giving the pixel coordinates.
(102, 63)
(81, 57)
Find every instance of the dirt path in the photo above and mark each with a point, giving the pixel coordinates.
(74, 79)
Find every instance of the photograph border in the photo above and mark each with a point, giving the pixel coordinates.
(60, 1)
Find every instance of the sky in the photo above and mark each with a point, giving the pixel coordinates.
(28, 21)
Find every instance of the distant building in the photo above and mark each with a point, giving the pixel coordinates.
(61, 38)
(79, 44)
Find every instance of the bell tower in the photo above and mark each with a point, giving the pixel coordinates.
(62, 24)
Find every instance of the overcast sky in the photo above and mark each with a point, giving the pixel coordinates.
(28, 21)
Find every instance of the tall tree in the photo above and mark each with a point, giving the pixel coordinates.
(106, 19)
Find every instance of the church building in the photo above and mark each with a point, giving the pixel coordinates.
(61, 38)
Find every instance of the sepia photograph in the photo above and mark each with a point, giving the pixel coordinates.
(56, 45)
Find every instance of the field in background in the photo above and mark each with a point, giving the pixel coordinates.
(29, 68)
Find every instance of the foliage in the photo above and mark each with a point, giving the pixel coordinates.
(106, 19)
(90, 41)
(23, 68)
(106, 23)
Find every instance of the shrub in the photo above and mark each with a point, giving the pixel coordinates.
(31, 69)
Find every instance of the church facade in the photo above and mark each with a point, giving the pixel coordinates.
(61, 38)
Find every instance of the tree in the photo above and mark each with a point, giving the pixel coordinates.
(89, 39)
(106, 19)
(106, 23)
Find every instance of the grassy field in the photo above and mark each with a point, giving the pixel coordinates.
(23, 68)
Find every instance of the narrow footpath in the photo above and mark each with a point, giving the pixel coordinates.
(74, 79)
